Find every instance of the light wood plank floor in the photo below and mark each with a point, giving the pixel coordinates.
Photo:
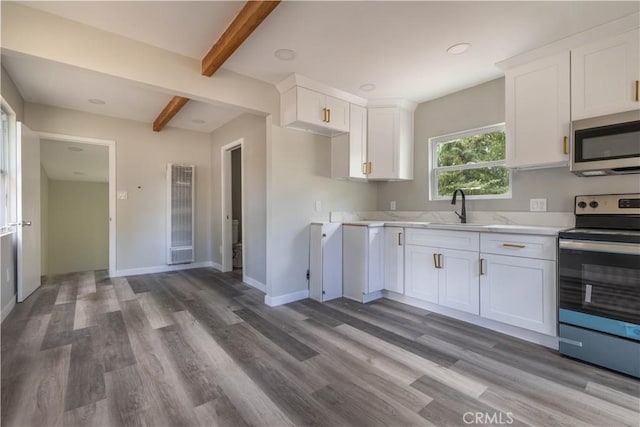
(199, 347)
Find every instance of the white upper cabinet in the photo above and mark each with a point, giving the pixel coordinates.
(605, 75)
(390, 144)
(349, 150)
(537, 109)
(314, 111)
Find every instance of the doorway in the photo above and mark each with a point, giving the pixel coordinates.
(77, 204)
(233, 227)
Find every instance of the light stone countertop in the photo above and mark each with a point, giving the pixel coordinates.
(492, 228)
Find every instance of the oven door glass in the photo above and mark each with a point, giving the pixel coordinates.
(600, 283)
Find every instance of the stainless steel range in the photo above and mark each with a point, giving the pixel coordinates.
(599, 283)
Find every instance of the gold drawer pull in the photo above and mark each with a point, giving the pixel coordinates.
(513, 245)
(565, 145)
(328, 115)
(637, 90)
(435, 261)
(482, 272)
(399, 239)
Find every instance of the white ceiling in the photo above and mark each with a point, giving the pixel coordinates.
(398, 46)
(62, 161)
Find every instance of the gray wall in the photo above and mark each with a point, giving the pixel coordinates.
(300, 174)
(236, 188)
(11, 95)
(78, 226)
(141, 159)
(44, 222)
(253, 130)
(479, 106)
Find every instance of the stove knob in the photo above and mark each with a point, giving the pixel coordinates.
(593, 204)
(582, 205)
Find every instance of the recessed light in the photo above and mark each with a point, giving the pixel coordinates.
(97, 101)
(368, 87)
(285, 54)
(74, 149)
(198, 121)
(458, 48)
(78, 173)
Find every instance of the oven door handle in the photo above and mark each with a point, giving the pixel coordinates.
(610, 247)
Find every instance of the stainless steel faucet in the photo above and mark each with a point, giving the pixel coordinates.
(463, 213)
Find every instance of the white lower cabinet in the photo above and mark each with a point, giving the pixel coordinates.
(458, 276)
(519, 291)
(325, 261)
(421, 274)
(363, 262)
(394, 259)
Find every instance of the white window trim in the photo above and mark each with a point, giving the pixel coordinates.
(433, 169)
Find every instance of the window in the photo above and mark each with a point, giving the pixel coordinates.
(4, 169)
(472, 160)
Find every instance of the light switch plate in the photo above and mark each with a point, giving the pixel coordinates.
(123, 195)
(538, 205)
(318, 205)
(392, 205)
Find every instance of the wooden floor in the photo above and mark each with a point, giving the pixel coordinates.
(200, 348)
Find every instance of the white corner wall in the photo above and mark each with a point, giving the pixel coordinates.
(141, 158)
(300, 174)
(253, 130)
(44, 222)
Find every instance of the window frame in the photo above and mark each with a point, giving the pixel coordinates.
(435, 170)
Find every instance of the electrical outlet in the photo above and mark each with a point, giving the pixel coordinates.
(122, 195)
(392, 205)
(318, 205)
(538, 205)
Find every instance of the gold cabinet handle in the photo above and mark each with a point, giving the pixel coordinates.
(637, 90)
(565, 145)
(482, 272)
(399, 239)
(435, 260)
(328, 115)
(440, 261)
(370, 168)
(364, 168)
(513, 245)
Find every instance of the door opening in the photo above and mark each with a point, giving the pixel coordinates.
(233, 230)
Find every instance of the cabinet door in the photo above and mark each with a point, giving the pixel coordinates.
(357, 141)
(375, 275)
(337, 114)
(458, 280)
(355, 265)
(311, 106)
(394, 259)
(519, 291)
(537, 108)
(382, 150)
(604, 75)
(315, 263)
(421, 275)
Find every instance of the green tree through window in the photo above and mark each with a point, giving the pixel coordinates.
(472, 160)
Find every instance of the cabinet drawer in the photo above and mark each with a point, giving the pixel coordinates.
(521, 245)
(448, 239)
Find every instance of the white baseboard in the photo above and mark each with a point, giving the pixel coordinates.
(514, 331)
(216, 265)
(256, 284)
(285, 299)
(8, 308)
(162, 269)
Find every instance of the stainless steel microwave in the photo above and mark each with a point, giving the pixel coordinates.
(606, 146)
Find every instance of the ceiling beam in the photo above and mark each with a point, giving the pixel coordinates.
(172, 108)
(251, 15)
(249, 18)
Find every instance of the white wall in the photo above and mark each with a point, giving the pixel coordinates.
(78, 226)
(253, 130)
(11, 95)
(478, 106)
(44, 222)
(141, 158)
(300, 170)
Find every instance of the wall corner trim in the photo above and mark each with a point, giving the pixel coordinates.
(162, 269)
(255, 283)
(8, 308)
(286, 298)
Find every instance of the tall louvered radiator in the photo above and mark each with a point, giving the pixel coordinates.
(180, 214)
